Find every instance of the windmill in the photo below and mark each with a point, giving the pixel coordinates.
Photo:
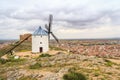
(48, 27)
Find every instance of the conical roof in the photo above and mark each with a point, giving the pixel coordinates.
(40, 31)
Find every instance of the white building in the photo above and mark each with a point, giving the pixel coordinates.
(40, 41)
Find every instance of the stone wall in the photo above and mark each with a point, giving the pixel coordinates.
(23, 36)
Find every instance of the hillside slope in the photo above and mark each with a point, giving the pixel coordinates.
(45, 67)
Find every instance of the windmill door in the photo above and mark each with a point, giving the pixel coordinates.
(41, 49)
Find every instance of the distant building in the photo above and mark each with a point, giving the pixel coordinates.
(40, 41)
(22, 37)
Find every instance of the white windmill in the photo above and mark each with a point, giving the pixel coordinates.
(41, 38)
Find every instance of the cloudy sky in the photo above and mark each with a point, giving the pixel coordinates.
(74, 19)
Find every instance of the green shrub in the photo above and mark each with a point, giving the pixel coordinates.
(3, 61)
(1, 78)
(108, 62)
(96, 74)
(35, 66)
(74, 76)
(45, 55)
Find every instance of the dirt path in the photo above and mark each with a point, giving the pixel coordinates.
(26, 54)
(29, 54)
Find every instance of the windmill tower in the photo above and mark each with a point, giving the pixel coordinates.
(40, 41)
(41, 38)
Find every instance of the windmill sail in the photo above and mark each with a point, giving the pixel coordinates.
(55, 37)
(50, 22)
(48, 27)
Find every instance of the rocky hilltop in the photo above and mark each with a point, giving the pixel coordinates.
(53, 67)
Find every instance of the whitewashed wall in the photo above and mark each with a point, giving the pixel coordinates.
(36, 43)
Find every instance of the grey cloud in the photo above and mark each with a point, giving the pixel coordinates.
(93, 21)
(80, 18)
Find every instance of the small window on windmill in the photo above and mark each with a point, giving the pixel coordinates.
(40, 42)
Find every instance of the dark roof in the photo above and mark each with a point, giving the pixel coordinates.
(40, 31)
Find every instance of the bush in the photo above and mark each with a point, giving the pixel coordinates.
(96, 74)
(45, 55)
(108, 63)
(74, 76)
(2, 78)
(3, 61)
(35, 66)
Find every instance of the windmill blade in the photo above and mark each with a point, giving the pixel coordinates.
(50, 22)
(46, 27)
(55, 37)
(47, 31)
